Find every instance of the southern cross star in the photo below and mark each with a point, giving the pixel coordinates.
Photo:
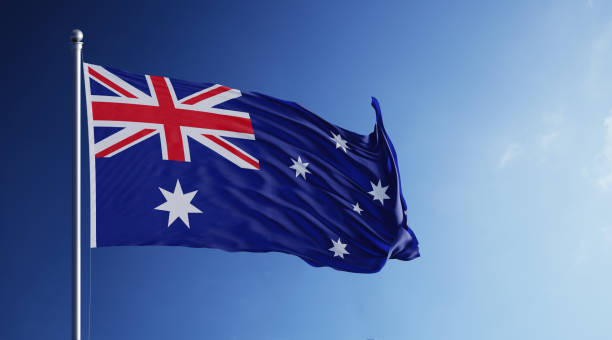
(339, 248)
(299, 167)
(357, 208)
(379, 192)
(340, 143)
(178, 205)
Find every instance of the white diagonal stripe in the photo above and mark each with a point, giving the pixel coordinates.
(224, 152)
(118, 137)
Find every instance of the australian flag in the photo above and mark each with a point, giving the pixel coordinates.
(181, 163)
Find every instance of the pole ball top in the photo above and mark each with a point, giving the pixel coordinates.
(76, 35)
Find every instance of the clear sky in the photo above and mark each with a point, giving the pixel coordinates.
(501, 115)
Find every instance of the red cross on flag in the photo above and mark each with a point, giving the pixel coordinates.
(142, 116)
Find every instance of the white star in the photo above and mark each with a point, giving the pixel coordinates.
(379, 192)
(340, 143)
(299, 167)
(357, 208)
(339, 248)
(178, 204)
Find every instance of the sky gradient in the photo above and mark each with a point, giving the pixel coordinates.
(501, 115)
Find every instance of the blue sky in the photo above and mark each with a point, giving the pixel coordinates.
(501, 115)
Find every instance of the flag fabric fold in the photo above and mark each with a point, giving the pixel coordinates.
(192, 164)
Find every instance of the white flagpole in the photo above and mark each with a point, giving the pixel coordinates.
(77, 44)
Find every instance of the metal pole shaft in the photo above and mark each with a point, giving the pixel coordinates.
(77, 44)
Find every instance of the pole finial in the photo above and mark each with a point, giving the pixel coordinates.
(76, 36)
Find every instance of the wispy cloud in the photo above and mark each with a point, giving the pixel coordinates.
(604, 181)
(592, 244)
(608, 146)
(512, 151)
(552, 126)
(606, 234)
(599, 69)
(540, 141)
(547, 139)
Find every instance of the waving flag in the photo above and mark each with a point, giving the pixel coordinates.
(204, 165)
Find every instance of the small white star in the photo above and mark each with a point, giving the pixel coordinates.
(340, 143)
(178, 204)
(299, 167)
(339, 248)
(379, 192)
(357, 208)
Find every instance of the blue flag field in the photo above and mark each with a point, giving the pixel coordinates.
(192, 164)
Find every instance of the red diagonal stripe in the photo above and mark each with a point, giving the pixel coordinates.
(124, 142)
(233, 150)
(110, 83)
(206, 95)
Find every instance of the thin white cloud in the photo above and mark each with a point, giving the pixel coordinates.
(585, 172)
(591, 244)
(512, 151)
(546, 140)
(599, 69)
(608, 146)
(604, 181)
(551, 130)
(606, 234)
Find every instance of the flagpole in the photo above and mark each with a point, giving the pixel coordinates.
(77, 44)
